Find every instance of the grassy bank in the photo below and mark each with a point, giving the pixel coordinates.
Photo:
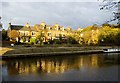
(20, 49)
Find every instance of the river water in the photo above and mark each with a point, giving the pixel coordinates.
(91, 67)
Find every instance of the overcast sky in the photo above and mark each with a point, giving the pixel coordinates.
(74, 14)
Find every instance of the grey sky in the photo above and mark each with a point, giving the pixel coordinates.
(74, 14)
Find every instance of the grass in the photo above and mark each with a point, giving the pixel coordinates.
(26, 48)
(33, 49)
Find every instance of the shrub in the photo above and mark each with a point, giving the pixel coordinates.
(32, 40)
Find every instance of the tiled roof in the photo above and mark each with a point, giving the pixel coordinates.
(25, 28)
(33, 28)
(38, 27)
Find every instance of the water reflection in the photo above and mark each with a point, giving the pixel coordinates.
(59, 64)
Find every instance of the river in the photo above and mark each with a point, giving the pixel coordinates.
(90, 67)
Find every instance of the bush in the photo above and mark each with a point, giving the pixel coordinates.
(33, 41)
(71, 40)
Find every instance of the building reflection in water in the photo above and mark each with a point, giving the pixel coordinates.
(58, 64)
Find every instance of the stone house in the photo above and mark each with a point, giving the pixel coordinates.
(26, 32)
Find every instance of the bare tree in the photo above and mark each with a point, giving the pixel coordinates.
(115, 5)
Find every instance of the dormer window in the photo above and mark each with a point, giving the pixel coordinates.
(43, 28)
(49, 28)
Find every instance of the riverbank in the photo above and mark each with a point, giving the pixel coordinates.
(50, 54)
(33, 51)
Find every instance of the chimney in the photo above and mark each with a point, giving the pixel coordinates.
(9, 26)
(27, 25)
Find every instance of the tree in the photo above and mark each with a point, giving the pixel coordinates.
(40, 38)
(4, 34)
(13, 35)
(71, 40)
(0, 23)
(117, 37)
(112, 4)
(106, 24)
(109, 35)
(89, 35)
(32, 40)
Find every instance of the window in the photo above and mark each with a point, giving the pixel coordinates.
(44, 39)
(63, 35)
(21, 33)
(59, 28)
(49, 28)
(33, 33)
(49, 34)
(26, 33)
(44, 27)
(56, 28)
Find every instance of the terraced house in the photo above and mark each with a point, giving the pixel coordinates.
(48, 32)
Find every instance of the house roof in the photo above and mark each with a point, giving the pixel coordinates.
(32, 28)
(38, 27)
(16, 27)
(25, 28)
